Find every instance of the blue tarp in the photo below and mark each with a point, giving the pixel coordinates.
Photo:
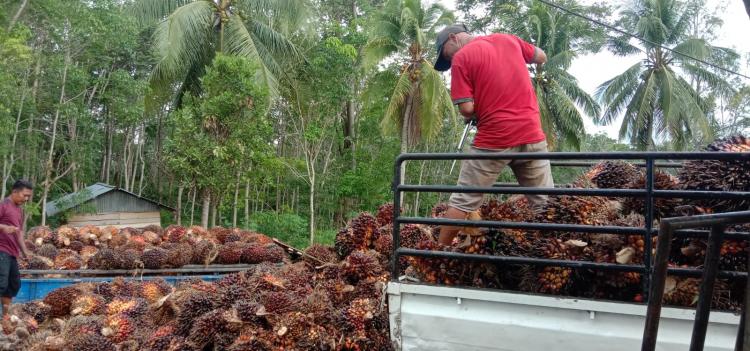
(38, 288)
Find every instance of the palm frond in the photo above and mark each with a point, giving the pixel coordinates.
(377, 49)
(180, 42)
(568, 119)
(615, 92)
(392, 118)
(716, 82)
(241, 42)
(151, 11)
(436, 101)
(695, 47)
(621, 46)
(570, 86)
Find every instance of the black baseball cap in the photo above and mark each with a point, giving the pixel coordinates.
(441, 64)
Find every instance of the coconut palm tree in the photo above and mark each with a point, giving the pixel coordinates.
(561, 99)
(420, 103)
(653, 95)
(190, 32)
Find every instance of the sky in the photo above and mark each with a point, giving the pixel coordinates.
(592, 70)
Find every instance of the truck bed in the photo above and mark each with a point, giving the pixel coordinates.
(434, 318)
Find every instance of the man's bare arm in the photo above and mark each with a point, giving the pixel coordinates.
(467, 110)
(22, 242)
(539, 56)
(8, 229)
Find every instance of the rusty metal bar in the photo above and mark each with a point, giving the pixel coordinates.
(653, 312)
(711, 267)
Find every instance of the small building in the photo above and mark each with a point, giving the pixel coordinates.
(106, 205)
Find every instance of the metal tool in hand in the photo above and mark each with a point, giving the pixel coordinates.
(471, 123)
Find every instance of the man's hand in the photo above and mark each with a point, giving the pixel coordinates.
(8, 229)
(26, 253)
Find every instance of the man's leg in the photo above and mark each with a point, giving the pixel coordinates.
(4, 280)
(14, 284)
(477, 173)
(534, 173)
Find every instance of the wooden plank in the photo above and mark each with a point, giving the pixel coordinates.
(126, 222)
(115, 216)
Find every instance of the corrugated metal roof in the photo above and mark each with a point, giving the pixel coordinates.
(87, 194)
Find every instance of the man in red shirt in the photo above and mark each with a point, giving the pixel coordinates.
(11, 241)
(490, 83)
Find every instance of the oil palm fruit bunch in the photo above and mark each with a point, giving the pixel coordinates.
(589, 210)
(515, 209)
(359, 234)
(663, 207)
(384, 216)
(613, 174)
(680, 291)
(718, 175)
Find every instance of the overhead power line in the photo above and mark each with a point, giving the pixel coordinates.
(618, 30)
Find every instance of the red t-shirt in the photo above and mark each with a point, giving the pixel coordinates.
(12, 215)
(491, 70)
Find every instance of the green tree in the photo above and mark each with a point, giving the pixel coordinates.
(191, 32)
(653, 95)
(222, 131)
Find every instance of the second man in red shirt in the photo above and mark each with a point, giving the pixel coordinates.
(490, 83)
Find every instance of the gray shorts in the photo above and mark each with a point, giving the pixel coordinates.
(484, 173)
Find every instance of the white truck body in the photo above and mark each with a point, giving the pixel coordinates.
(436, 318)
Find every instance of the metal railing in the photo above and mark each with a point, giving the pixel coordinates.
(667, 228)
(649, 161)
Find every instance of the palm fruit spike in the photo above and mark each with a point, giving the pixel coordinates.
(685, 292)
(515, 209)
(41, 235)
(317, 254)
(118, 328)
(104, 259)
(86, 305)
(384, 242)
(131, 307)
(358, 314)
(37, 309)
(180, 255)
(360, 265)
(613, 174)
(153, 290)
(192, 306)
(60, 300)
(47, 250)
(154, 258)
(204, 252)
(229, 254)
(128, 259)
(174, 234)
(359, 234)
(39, 262)
(213, 327)
(384, 215)
(663, 207)
(220, 233)
(719, 175)
(278, 301)
(89, 342)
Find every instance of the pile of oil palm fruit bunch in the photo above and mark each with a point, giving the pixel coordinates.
(329, 298)
(152, 247)
(599, 248)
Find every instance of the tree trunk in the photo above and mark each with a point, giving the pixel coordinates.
(192, 205)
(214, 208)
(206, 208)
(48, 164)
(10, 160)
(28, 152)
(18, 14)
(405, 139)
(236, 197)
(247, 204)
(179, 204)
(312, 208)
(747, 7)
(110, 141)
